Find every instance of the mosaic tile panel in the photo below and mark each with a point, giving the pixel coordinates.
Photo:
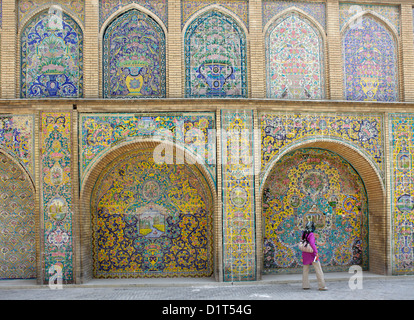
(239, 242)
(100, 132)
(390, 13)
(56, 193)
(402, 191)
(17, 139)
(280, 130)
(314, 9)
(108, 7)
(151, 220)
(215, 57)
(189, 8)
(51, 57)
(370, 62)
(294, 59)
(134, 58)
(27, 7)
(17, 222)
(320, 186)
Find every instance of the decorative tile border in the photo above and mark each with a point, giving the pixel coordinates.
(401, 137)
(99, 132)
(280, 130)
(239, 241)
(56, 194)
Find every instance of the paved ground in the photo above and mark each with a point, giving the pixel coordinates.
(270, 288)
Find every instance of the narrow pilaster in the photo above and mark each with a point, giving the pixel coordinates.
(8, 50)
(175, 73)
(257, 50)
(91, 49)
(407, 53)
(335, 90)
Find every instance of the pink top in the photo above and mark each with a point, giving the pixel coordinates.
(309, 257)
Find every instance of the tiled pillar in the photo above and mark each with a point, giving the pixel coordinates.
(56, 196)
(238, 195)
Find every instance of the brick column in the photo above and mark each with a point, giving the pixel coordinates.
(257, 51)
(407, 53)
(8, 50)
(91, 50)
(175, 71)
(334, 59)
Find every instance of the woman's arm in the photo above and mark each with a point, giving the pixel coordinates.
(311, 240)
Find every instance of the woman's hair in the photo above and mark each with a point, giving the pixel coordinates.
(310, 227)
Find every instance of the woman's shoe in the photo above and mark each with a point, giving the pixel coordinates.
(323, 289)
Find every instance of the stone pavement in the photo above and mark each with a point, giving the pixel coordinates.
(276, 287)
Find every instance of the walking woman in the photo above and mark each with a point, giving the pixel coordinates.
(311, 258)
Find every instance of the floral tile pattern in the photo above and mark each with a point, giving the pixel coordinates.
(51, 57)
(134, 58)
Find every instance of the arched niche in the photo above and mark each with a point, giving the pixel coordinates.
(215, 56)
(370, 53)
(51, 56)
(295, 56)
(165, 214)
(134, 57)
(378, 241)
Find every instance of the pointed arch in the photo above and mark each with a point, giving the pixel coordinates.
(51, 56)
(214, 7)
(295, 56)
(371, 54)
(215, 58)
(375, 190)
(133, 55)
(355, 20)
(48, 7)
(318, 185)
(299, 11)
(142, 151)
(126, 8)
